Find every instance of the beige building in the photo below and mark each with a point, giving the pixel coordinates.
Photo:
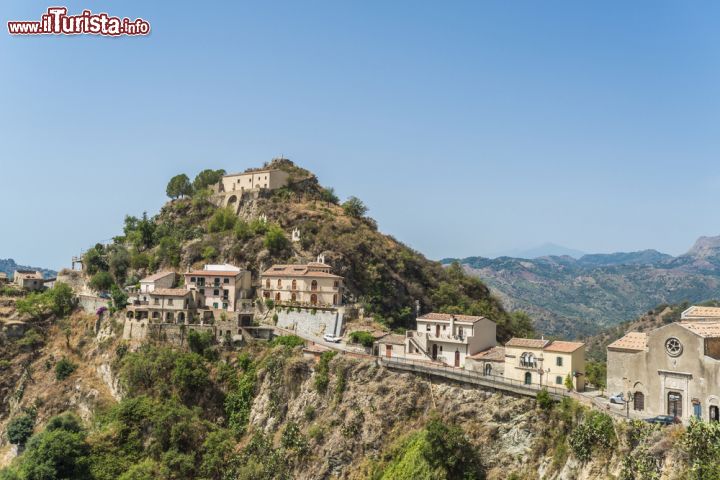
(158, 280)
(3, 278)
(490, 361)
(166, 305)
(232, 187)
(29, 279)
(312, 285)
(223, 287)
(672, 370)
(441, 337)
(545, 362)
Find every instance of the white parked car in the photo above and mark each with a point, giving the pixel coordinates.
(329, 337)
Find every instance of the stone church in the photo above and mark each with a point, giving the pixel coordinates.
(672, 370)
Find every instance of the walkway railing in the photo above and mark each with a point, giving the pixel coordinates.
(470, 376)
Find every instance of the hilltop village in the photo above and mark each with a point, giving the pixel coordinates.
(336, 327)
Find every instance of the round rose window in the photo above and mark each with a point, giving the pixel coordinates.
(673, 347)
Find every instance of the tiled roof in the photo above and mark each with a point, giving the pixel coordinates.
(157, 276)
(392, 339)
(295, 271)
(527, 342)
(563, 347)
(169, 292)
(492, 354)
(448, 316)
(697, 311)
(636, 341)
(211, 273)
(704, 329)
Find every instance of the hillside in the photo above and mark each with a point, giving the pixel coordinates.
(581, 297)
(84, 405)
(383, 275)
(9, 266)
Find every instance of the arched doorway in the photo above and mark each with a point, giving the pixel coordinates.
(674, 404)
(277, 297)
(528, 378)
(488, 369)
(313, 299)
(232, 200)
(714, 413)
(434, 351)
(181, 317)
(457, 358)
(169, 317)
(639, 401)
(293, 297)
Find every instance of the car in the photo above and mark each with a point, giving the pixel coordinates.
(663, 420)
(329, 337)
(105, 295)
(618, 399)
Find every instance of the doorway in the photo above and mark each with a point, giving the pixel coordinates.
(457, 358)
(674, 404)
(714, 413)
(434, 351)
(437, 330)
(639, 401)
(388, 351)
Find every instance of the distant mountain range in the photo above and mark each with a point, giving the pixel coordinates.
(578, 297)
(543, 250)
(9, 266)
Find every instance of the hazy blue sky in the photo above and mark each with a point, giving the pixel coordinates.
(467, 127)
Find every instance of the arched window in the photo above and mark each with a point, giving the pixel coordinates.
(294, 284)
(528, 378)
(267, 283)
(313, 285)
(293, 297)
(639, 401)
(313, 299)
(277, 297)
(488, 369)
(279, 284)
(527, 360)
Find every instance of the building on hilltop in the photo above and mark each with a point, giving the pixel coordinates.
(231, 188)
(545, 362)
(29, 279)
(671, 370)
(441, 337)
(311, 284)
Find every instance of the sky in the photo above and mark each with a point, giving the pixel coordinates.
(466, 127)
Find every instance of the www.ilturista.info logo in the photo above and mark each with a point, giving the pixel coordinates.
(57, 22)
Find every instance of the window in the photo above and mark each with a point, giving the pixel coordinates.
(528, 360)
(226, 280)
(673, 347)
(444, 327)
(313, 285)
(427, 327)
(336, 284)
(559, 361)
(215, 305)
(267, 283)
(192, 279)
(226, 293)
(170, 301)
(294, 284)
(217, 280)
(225, 306)
(216, 292)
(558, 380)
(202, 291)
(279, 283)
(157, 301)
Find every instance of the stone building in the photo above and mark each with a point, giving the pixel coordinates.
(441, 337)
(223, 287)
(490, 361)
(672, 370)
(545, 362)
(306, 285)
(3, 278)
(29, 279)
(165, 279)
(231, 188)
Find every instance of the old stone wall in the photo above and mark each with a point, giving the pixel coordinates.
(318, 322)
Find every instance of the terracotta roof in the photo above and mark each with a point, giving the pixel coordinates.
(295, 271)
(157, 276)
(169, 292)
(527, 342)
(447, 316)
(563, 347)
(697, 311)
(211, 273)
(392, 339)
(492, 354)
(635, 341)
(704, 329)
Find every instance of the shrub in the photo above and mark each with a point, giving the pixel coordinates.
(363, 338)
(569, 382)
(209, 253)
(322, 373)
(290, 341)
(101, 281)
(544, 400)
(701, 443)
(64, 368)
(275, 239)
(20, 428)
(595, 433)
(354, 207)
(238, 402)
(269, 303)
(223, 220)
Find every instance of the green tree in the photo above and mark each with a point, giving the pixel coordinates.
(597, 374)
(179, 186)
(101, 281)
(217, 451)
(328, 195)
(275, 239)
(64, 368)
(94, 259)
(354, 207)
(119, 298)
(543, 399)
(363, 338)
(223, 219)
(20, 428)
(207, 178)
(62, 299)
(169, 251)
(569, 382)
(448, 448)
